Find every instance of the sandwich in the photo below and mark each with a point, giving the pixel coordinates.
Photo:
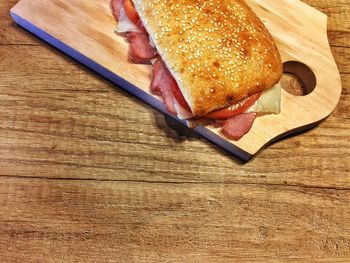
(214, 62)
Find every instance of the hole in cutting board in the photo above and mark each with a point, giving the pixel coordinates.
(298, 79)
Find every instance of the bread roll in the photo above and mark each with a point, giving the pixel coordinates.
(218, 51)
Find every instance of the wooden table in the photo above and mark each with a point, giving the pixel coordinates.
(90, 174)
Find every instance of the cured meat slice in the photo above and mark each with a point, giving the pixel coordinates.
(141, 50)
(236, 127)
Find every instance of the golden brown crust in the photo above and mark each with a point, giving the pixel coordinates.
(218, 51)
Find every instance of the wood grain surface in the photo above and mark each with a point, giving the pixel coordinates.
(88, 173)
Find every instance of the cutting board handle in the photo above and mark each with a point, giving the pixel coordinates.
(300, 33)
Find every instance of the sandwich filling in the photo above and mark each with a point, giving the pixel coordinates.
(235, 120)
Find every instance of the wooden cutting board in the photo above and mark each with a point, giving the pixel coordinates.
(84, 30)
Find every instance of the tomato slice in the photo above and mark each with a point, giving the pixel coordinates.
(178, 94)
(235, 109)
(131, 11)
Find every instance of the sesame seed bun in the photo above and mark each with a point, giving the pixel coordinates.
(218, 51)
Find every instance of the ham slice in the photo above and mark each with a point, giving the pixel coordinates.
(117, 5)
(141, 50)
(161, 85)
(176, 103)
(236, 127)
(157, 75)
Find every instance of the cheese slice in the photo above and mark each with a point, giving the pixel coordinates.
(182, 113)
(269, 101)
(124, 24)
